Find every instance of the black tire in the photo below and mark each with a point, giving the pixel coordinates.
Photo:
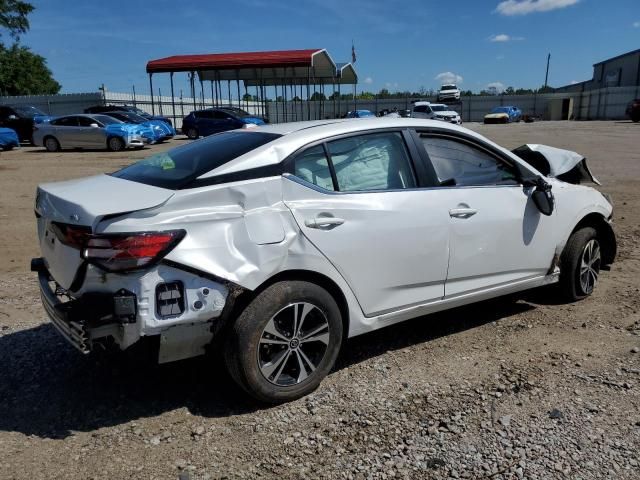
(572, 277)
(635, 118)
(249, 338)
(51, 144)
(115, 144)
(192, 133)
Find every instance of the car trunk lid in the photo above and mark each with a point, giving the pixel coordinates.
(83, 203)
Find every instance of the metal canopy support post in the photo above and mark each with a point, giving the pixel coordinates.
(202, 90)
(212, 96)
(238, 86)
(308, 96)
(153, 109)
(229, 92)
(173, 100)
(339, 101)
(160, 101)
(193, 89)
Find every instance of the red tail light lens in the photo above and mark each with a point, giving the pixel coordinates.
(129, 251)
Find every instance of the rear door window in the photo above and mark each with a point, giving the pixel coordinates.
(65, 122)
(313, 166)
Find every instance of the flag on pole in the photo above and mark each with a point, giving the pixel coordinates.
(353, 53)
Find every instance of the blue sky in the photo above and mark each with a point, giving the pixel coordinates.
(400, 44)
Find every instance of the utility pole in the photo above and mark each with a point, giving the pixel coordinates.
(546, 77)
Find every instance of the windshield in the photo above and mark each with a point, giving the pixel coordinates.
(448, 87)
(178, 167)
(500, 110)
(106, 120)
(440, 108)
(137, 111)
(28, 112)
(127, 117)
(237, 111)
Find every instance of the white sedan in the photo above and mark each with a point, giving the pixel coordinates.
(277, 243)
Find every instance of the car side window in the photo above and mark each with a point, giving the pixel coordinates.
(313, 166)
(460, 163)
(65, 122)
(377, 161)
(220, 116)
(420, 109)
(85, 121)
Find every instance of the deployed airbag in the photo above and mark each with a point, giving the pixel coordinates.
(562, 164)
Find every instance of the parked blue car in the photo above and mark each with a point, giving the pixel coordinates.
(8, 139)
(506, 114)
(161, 130)
(360, 114)
(201, 123)
(126, 108)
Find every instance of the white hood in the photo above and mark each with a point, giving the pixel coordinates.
(556, 160)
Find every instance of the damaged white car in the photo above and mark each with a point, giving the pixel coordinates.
(277, 243)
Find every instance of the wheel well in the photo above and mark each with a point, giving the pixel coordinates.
(605, 233)
(242, 300)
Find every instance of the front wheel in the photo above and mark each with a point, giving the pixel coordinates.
(285, 341)
(580, 264)
(51, 144)
(192, 133)
(115, 144)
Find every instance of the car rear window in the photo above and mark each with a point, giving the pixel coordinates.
(177, 168)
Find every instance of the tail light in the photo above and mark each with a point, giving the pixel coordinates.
(130, 251)
(116, 252)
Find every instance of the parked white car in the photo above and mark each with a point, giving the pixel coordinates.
(436, 111)
(277, 243)
(449, 92)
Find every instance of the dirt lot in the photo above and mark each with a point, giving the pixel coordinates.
(512, 388)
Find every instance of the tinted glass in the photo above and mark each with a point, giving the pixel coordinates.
(440, 108)
(465, 164)
(313, 167)
(378, 161)
(127, 117)
(65, 122)
(178, 167)
(28, 112)
(86, 121)
(106, 120)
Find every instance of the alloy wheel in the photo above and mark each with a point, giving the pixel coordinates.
(293, 344)
(590, 266)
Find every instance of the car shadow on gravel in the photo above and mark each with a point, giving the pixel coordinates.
(49, 390)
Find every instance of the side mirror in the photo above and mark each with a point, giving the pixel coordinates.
(94, 125)
(543, 198)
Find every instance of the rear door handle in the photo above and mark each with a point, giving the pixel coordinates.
(321, 222)
(462, 212)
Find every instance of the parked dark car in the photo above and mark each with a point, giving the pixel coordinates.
(201, 123)
(633, 110)
(126, 108)
(21, 118)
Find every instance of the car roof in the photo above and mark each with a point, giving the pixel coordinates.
(296, 135)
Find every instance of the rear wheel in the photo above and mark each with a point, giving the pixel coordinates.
(285, 341)
(580, 264)
(115, 144)
(192, 133)
(51, 144)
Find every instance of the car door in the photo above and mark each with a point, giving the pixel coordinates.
(91, 136)
(357, 200)
(66, 131)
(497, 235)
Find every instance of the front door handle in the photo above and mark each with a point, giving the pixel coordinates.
(322, 222)
(462, 212)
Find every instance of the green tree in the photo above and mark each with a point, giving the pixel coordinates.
(509, 91)
(23, 72)
(384, 93)
(13, 17)
(318, 96)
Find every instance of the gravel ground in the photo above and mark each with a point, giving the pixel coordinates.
(518, 387)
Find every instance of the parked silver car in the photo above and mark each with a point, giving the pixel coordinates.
(90, 131)
(277, 243)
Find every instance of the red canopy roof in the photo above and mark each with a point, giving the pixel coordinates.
(226, 61)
